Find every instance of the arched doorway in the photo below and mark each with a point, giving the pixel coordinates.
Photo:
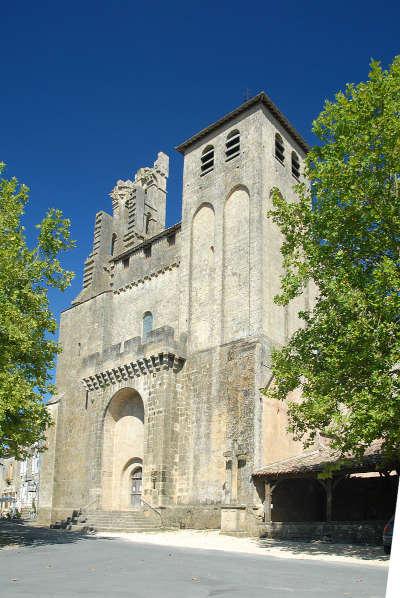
(123, 445)
(136, 487)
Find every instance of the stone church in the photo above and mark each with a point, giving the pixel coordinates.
(167, 346)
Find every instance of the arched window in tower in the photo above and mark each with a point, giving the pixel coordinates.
(207, 160)
(279, 148)
(232, 146)
(295, 165)
(147, 323)
(113, 241)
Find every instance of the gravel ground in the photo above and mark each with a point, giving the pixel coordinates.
(214, 540)
(42, 563)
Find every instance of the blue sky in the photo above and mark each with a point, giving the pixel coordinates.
(91, 91)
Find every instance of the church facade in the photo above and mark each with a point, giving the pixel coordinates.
(165, 350)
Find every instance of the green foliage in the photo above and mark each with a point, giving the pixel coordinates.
(27, 350)
(344, 234)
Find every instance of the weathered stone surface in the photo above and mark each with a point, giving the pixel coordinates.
(357, 532)
(183, 402)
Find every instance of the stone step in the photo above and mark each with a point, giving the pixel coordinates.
(128, 529)
(123, 521)
(137, 518)
(122, 518)
(99, 524)
(117, 514)
(119, 524)
(127, 517)
(112, 528)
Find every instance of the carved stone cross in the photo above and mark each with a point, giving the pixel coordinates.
(233, 457)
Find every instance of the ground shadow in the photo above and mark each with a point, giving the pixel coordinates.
(319, 548)
(19, 534)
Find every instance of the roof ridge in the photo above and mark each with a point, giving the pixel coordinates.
(262, 98)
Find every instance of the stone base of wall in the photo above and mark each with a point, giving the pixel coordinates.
(44, 516)
(354, 532)
(241, 520)
(47, 516)
(191, 516)
(181, 517)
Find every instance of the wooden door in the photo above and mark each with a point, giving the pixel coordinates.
(136, 487)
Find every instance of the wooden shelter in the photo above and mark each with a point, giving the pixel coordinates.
(312, 466)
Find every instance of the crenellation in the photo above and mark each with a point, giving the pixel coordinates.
(138, 214)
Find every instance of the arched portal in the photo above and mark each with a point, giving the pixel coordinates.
(123, 441)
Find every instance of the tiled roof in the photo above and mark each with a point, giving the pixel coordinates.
(316, 460)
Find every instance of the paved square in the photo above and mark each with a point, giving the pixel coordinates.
(61, 564)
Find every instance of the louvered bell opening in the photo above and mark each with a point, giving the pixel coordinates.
(207, 162)
(295, 166)
(279, 149)
(232, 147)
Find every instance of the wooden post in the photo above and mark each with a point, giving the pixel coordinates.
(328, 488)
(267, 502)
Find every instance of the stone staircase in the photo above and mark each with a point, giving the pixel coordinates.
(123, 521)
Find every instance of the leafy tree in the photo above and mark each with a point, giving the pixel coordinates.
(344, 234)
(27, 350)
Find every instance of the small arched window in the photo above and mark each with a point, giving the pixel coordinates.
(232, 146)
(279, 148)
(147, 323)
(113, 241)
(295, 165)
(207, 160)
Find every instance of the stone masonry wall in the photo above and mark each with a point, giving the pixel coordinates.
(149, 369)
(209, 285)
(47, 471)
(220, 391)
